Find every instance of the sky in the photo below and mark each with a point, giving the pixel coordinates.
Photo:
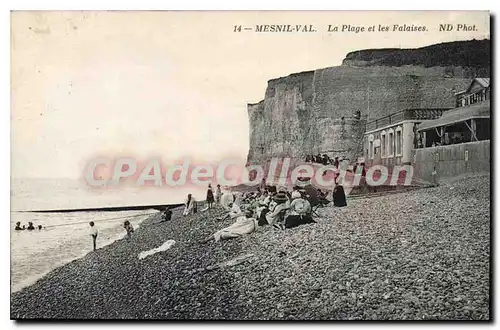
(171, 84)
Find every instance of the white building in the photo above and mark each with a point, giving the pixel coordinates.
(390, 140)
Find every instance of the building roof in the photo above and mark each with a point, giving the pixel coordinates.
(477, 110)
(485, 82)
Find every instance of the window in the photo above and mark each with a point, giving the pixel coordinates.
(370, 146)
(383, 143)
(390, 144)
(399, 142)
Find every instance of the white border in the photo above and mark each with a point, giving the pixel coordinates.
(6, 6)
(246, 5)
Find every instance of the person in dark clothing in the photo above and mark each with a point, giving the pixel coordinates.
(336, 162)
(263, 185)
(166, 215)
(363, 171)
(210, 196)
(297, 220)
(339, 199)
(271, 189)
(322, 198)
(325, 159)
(30, 226)
(357, 115)
(262, 218)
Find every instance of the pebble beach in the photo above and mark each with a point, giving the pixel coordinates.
(417, 255)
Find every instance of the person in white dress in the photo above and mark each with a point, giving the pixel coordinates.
(93, 233)
(189, 205)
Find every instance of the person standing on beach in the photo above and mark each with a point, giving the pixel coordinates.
(227, 198)
(263, 185)
(336, 162)
(210, 196)
(218, 194)
(93, 233)
(189, 205)
(167, 214)
(128, 227)
(338, 195)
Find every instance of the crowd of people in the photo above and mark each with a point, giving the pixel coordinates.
(323, 159)
(268, 205)
(191, 205)
(93, 232)
(275, 206)
(30, 226)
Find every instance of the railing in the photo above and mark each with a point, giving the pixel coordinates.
(407, 114)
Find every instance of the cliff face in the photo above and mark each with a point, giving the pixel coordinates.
(312, 112)
(279, 123)
(472, 54)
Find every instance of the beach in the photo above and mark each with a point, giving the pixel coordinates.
(417, 255)
(68, 206)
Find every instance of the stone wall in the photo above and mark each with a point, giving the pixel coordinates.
(450, 161)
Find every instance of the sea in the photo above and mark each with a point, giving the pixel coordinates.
(65, 236)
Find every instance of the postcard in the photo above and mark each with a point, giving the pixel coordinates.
(250, 165)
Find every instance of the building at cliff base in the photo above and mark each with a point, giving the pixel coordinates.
(390, 140)
(457, 143)
(384, 93)
(314, 112)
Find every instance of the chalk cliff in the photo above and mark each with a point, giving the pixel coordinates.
(473, 54)
(313, 111)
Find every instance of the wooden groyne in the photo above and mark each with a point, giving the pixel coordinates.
(107, 209)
